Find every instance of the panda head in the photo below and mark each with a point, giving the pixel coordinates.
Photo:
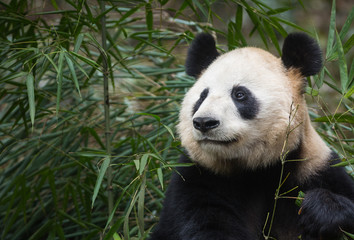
(246, 104)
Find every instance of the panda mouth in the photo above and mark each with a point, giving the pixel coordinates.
(219, 142)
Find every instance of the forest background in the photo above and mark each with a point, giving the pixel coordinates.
(90, 93)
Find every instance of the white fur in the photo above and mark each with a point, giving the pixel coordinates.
(260, 140)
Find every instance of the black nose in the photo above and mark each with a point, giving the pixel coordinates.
(204, 124)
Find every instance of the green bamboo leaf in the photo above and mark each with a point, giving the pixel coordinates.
(73, 73)
(338, 117)
(343, 71)
(90, 154)
(351, 235)
(239, 20)
(86, 60)
(13, 76)
(143, 162)
(291, 24)
(129, 13)
(141, 200)
(137, 164)
(59, 80)
(239, 17)
(127, 214)
(151, 115)
(351, 74)
(300, 198)
(79, 66)
(55, 5)
(55, 12)
(269, 30)
(174, 165)
(348, 45)
(201, 8)
(78, 42)
(73, 219)
(102, 172)
(331, 31)
(116, 236)
(94, 134)
(344, 163)
(350, 92)
(160, 177)
(311, 91)
(52, 62)
(31, 97)
(51, 181)
(347, 25)
(43, 230)
(169, 131)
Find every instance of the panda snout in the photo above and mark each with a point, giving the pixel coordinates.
(205, 124)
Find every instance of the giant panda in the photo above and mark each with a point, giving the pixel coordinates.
(245, 126)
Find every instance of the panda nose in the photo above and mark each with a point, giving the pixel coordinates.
(204, 124)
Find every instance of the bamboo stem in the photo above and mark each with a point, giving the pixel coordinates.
(106, 108)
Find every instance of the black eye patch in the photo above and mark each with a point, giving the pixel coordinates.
(246, 103)
(201, 99)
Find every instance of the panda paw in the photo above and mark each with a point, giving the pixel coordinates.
(324, 214)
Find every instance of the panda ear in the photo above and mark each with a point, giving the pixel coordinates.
(302, 52)
(201, 54)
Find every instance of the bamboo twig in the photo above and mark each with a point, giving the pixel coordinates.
(106, 108)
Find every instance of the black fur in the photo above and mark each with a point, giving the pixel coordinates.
(203, 205)
(201, 99)
(302, 52)
(201, 54)
(247, 106)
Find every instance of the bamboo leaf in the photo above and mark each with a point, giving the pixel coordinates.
(344, 163)
(31, 97)
(102, 172)
(86, 60)
(52, 62)
(10, 77)
(331, 31)
(73, 73)
(338, 117)
(343, 71)
(151, 115)
(59, 80)
(160, 177)
(272, 36)
(42, 231)
(350, 92)
(143, 162)
(347, 25)
(55, 5)
(78, 42)
(351, 235)
(116, 236)
(141, 200)
(169, 131)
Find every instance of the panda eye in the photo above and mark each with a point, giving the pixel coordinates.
(239, 95)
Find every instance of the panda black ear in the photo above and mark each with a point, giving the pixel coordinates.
(201, 54)
(302, 52)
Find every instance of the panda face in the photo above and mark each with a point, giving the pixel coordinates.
(237, 113)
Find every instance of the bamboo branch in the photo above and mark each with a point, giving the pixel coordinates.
(106, 108)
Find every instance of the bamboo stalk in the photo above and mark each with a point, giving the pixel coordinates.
(106, 108)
